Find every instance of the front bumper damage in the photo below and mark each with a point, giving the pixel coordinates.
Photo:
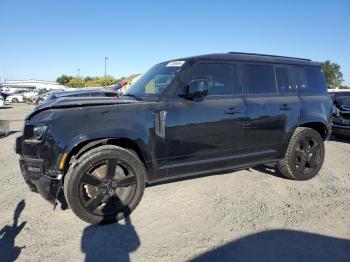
(47, 183)
(47, 187)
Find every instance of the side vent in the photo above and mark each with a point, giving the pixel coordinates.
(160, 123)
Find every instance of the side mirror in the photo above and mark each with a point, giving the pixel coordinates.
(198, 88)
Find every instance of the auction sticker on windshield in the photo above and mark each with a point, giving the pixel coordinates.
(175, 63)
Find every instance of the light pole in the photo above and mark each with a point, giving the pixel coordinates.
(78, 69)
(106, 65)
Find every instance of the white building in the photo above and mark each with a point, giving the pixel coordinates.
(12, 85)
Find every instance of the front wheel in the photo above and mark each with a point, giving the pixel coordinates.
(106, 185)
(304, 156)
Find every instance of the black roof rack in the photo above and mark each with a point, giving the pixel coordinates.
(278, 56)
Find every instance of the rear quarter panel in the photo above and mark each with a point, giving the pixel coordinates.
(315, 108)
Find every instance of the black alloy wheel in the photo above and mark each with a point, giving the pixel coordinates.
(108, 187)
(304, 156)
(307, 155)
(105, 185)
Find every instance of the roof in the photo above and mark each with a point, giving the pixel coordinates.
(252, 57)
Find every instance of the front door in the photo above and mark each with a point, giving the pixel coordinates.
(206, 134)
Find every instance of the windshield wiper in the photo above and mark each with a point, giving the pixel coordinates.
(134, 96)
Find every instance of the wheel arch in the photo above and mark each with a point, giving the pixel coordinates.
(322, 128)
(84, 146)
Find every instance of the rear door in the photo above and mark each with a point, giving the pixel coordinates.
(272, 107)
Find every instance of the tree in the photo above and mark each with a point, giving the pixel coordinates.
(87, 81)
(64, 79)
(76, 82)
(333, 74)
(107, 81)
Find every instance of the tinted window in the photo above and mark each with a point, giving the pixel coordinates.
(283, 81)
(221, 77)
(259, 79)
(310, 80)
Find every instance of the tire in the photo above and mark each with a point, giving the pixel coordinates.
(14, 100)
(304, 156)
(80, 196)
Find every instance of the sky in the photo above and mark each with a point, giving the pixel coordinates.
(44, 39)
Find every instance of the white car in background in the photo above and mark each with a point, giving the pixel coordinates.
(15, 98)
(29, 95)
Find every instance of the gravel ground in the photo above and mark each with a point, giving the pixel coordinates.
(250, 215)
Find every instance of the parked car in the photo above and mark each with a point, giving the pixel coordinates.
(341, 113)
(76, 93)
(3, 95)
(184, 117)
(15, 98)
(29, 97)
(2, 101)
(334, 93)
(41, 98)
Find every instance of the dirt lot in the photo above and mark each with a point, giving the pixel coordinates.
(250, 215)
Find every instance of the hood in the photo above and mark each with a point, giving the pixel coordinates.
(67, 102)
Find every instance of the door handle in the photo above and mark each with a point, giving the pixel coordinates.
(232, 111)
(285, 107)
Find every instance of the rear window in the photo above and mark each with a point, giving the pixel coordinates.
(310, 80)
(283, 80)
(259, 79)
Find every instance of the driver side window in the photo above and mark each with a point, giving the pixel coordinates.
(221, 78)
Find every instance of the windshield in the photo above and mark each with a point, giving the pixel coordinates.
(155, 80)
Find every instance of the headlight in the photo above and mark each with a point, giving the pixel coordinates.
(335, 111)
(39, 132)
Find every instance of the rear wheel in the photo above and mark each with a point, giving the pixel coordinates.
(304, 156)
(14, 100)
(106, 185)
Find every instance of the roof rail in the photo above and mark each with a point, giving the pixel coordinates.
(278, 56)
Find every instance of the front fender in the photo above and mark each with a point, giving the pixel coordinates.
(140, 139)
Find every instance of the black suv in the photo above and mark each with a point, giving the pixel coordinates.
(184, 117)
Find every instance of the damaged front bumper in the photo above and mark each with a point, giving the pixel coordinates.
(47, 184)
(47, 187)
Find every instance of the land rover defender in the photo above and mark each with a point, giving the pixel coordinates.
(184, 117)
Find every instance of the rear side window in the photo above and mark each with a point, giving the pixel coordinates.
(310, 80)
(221, 77)
(283, 80)
(259, 79)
